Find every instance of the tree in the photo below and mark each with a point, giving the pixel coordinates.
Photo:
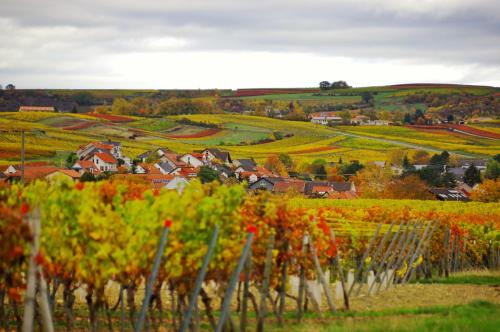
(71, 159)
(10, 87)
(324, 85)
(396, 156)
(296, 113)
(367, 97)
(274, 164)
(407, 118)
(333, 174)
(318, 169)
(101, 109)
(488, 191)
(286, 160)
(448, 180)
(87, 177)
(346, 117)
(420, 157)
(207, 174)
(408, 187)
(492, 169)
(419, 114)
(340, 85)
(406, 162)
(431, 175)
(372, 180)
(122, 106)
(440, 159)
(472, 176)
(350, 169)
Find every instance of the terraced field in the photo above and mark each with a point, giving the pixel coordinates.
(238, 134)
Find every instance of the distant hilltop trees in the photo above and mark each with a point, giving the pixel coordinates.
(325, 85)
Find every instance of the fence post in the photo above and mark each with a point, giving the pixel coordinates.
(302, 276)
(382, 261)
(265, 284)
(421, 245)
(199, 279)
(340, 270)
(246, 290)
(152, 277)
(359, 271)
(377, 252)
(284, 275)
(226, 304)
(324, 283)
(29, 300)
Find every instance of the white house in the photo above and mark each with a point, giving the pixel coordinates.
(192, 159)
(105, 162)
(325, 118)
(167, 168)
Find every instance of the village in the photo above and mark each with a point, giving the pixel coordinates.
(163, 168)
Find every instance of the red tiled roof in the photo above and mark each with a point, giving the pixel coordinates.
(281, 187)
(106, 158)
(103, 146)
(189, 171)
(86, 164)
(321, 189)
(264, 171)
(31, 173)
(150, 168)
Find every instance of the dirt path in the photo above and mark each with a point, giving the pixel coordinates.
(425, 295)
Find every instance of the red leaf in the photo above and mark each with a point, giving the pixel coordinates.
(252, 229)
(25, 208)
(167, 223)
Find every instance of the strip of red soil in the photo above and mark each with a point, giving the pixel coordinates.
(261, 92)
(462, 128)
(112, 118)
(83, 125)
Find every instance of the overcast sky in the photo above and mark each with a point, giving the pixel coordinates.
(252, 43)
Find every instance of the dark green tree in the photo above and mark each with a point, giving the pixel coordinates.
(286, 160)
(207, 174)
(87, 177)
(492, 169)
(324, 85)
(418, 114)
(472, 175)
(71, 159)
(350, 169)
(407, 118)
(318, 169)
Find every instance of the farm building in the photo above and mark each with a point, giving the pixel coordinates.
(37, 109)
(325, 118)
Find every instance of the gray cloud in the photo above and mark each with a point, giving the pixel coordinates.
(65, 37)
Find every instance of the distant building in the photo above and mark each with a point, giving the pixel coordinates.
(37, 109)
(324, 118)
